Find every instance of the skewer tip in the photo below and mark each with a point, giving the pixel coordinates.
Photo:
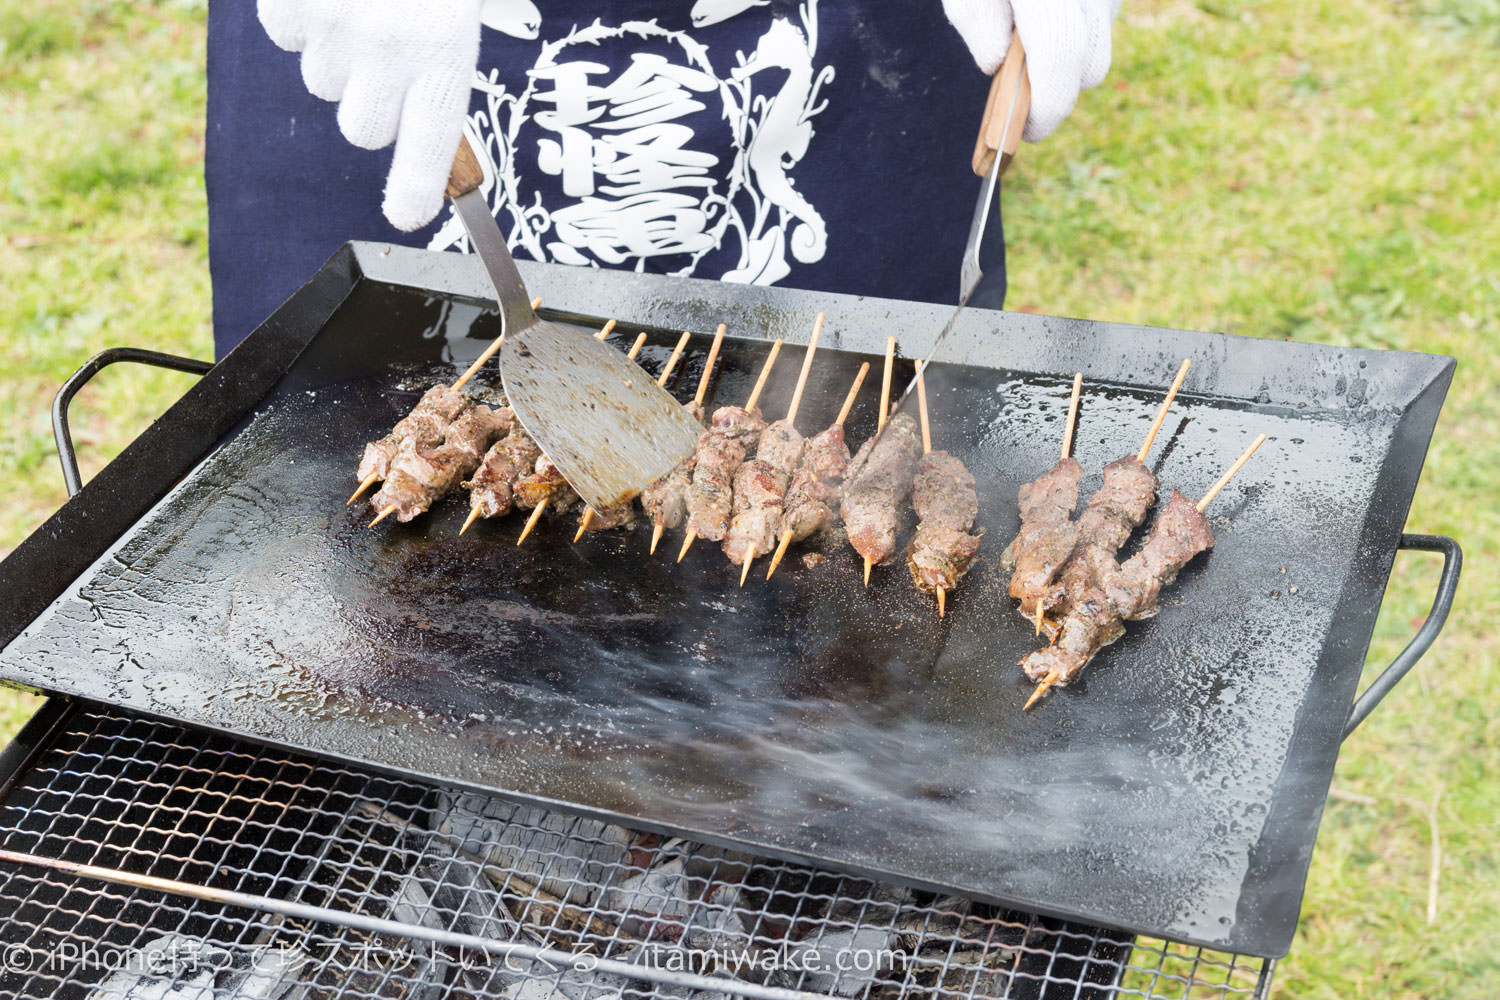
(473, 516)
(656, 533)
(364, 485)
(583, 524)
(942, 596)
(383, 515)
(786, 541)
(869, 563)
(687, 543)
(745, 567)
(536, 515)
(1042, 687)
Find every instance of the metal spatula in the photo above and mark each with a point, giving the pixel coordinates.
(597, 415)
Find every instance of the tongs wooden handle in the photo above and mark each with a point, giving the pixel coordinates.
(1011, 90)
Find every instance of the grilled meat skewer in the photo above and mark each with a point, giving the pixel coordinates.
(872, 500)
(426, 425)
(491, 487)
(1116, 509)
(665, 501)
(721, 449)
(943, 548)
(417, 477)
(1048, 534)
(759, 488)
(1113, 593)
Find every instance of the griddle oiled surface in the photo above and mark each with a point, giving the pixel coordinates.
(1174, 790)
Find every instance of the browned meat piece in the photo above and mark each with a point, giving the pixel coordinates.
(781, 446)
(758, 490)
(508, 459)
(944, 497)
(1116, 592)
(665, 501)
(545, 485)
(426, 425)
(1179, 534)
(720, 452)
(1115, 510)
(814, 488)
(872, 500)
(1047, 536)
(418, 478)
(1092, 622)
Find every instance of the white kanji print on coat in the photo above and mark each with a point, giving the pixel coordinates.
(670, 156)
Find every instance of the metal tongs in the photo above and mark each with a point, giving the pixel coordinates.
(606, 425)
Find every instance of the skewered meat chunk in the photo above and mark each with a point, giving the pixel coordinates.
(720, 452)
(1117, 592)
(1048, 534)
(1180, 533)
(872, 500)
(545, 485)
(944, 497)
(1115, 510)
(427, 425)
(510, 458)
(666, 500)
(418, 477)
(760, 492)
(814, 488)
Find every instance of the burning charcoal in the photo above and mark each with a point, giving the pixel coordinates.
(653, 904)
(567, 855)
(571, 985)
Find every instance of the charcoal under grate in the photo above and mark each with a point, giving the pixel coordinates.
(124, 792)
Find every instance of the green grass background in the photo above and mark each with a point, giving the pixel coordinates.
(1321, 171)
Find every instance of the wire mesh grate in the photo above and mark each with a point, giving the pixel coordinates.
(157, 799)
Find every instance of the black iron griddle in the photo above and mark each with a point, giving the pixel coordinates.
(213, 575)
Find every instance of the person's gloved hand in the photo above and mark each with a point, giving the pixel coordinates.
(1067, 48)
(401, 71)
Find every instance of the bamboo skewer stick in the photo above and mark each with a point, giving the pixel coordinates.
(1166, 404)
(708, 366)
(807, 360)
(942, 593)
(885, 384)
(489, 352)
(604, 331)
(786, 536)
(791, 417)
(760, 383)
(885, 406)
(1067, 448)
(383, 515)
(1239, 463)
(473, 516)
(1067, 445)
(1046, 683)
(657, 530)
(661, 381)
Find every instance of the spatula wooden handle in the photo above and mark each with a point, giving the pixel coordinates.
(1010, 86)
(466, 173)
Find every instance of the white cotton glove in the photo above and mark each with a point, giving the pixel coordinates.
(401, 71)
(1067, 48)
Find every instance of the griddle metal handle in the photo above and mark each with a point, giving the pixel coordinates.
(80, 378)
(1442, 603)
